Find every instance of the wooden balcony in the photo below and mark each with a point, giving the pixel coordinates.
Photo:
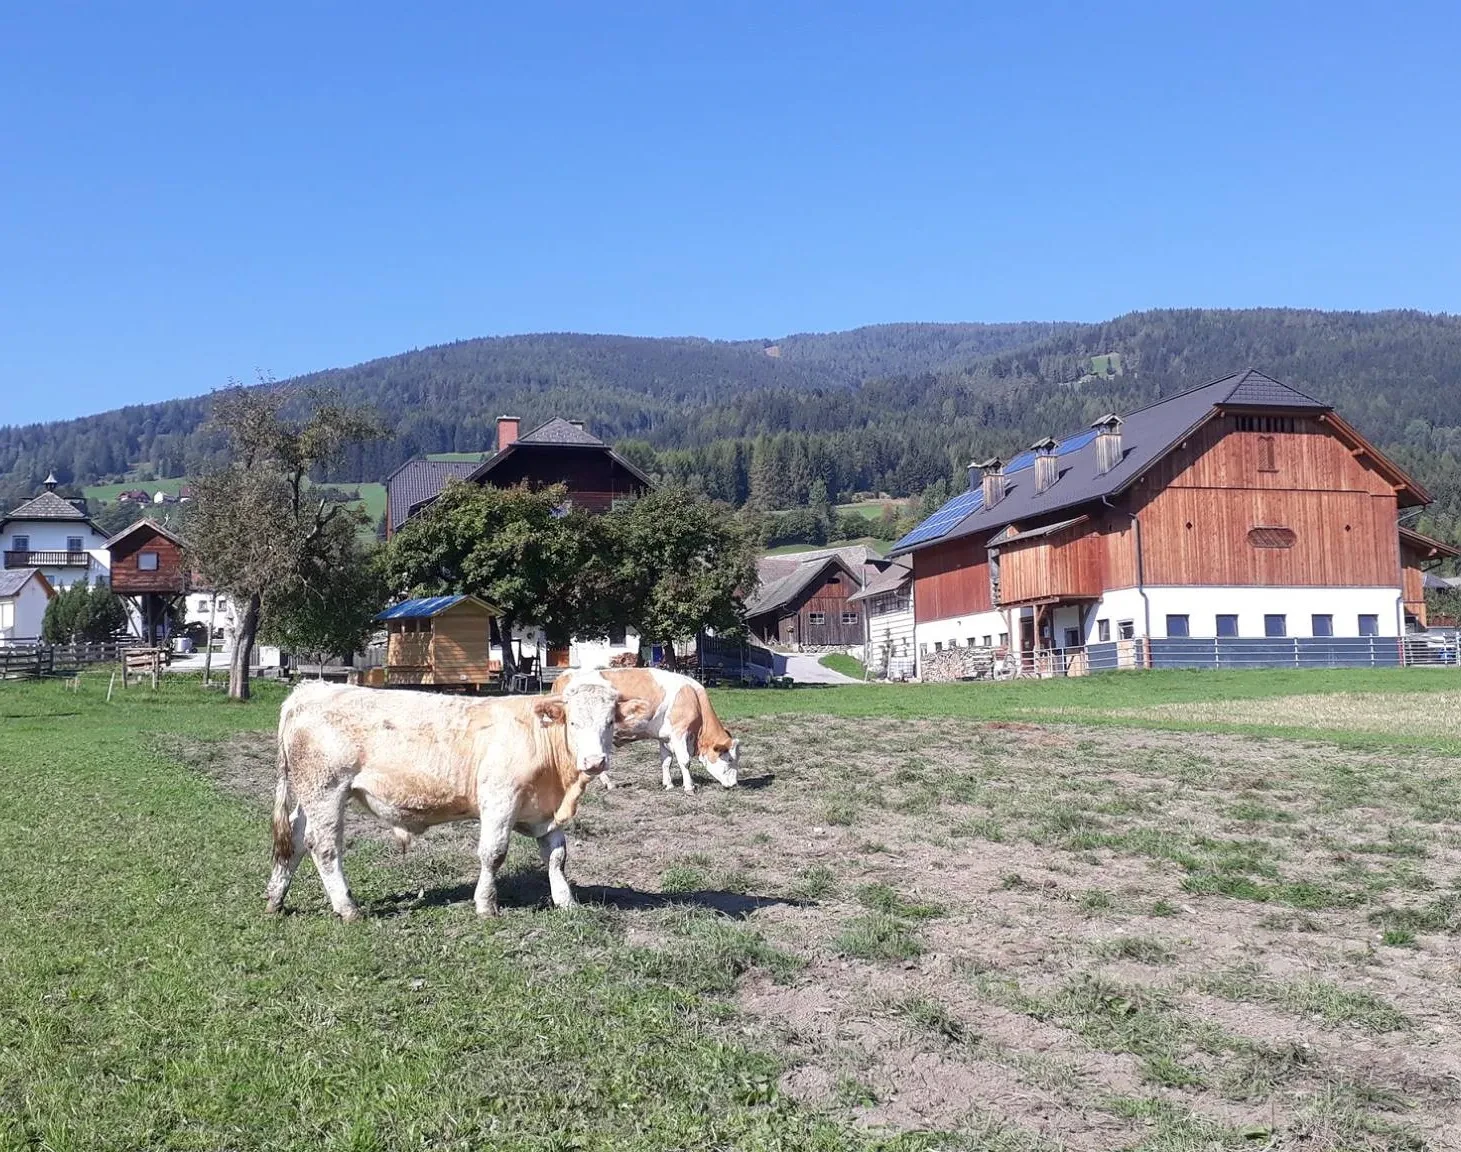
(32, 559)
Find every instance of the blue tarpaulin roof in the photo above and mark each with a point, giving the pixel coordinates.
(427, 606)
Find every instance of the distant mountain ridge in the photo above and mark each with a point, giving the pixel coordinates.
(892, 407)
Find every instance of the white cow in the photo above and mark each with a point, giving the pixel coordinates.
(680, 717)
(416, 760)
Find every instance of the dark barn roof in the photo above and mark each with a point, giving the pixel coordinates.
(417, 481)
(780, 587)
(1147, 435)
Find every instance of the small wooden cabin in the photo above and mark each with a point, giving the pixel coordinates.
(149, 568)
(440, 641)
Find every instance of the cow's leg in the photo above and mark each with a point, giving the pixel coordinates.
(286, 866)
(325, 834)
(681, 745)
(492, 851)
(664, 764)
(553, 847)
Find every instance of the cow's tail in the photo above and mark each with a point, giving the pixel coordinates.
(283, 827)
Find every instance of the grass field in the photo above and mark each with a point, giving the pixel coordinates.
(842, 662)
(1165, 912)
(879, 546)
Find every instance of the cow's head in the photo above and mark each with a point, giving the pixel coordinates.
(588, 710)
(721, 760)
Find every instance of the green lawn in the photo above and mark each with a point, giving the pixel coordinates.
(872, 542)
(1360, 707)
(842, 662)
(106, 493)
(147, 1002)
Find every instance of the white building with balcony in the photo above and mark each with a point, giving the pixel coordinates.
(54, 535)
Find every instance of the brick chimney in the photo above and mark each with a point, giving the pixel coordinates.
(1108, 442)
(506, 431)
(1047, 469)
(994, 480)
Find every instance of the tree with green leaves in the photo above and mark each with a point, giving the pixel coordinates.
(525, 550)
(84, 613)
(681, 564)
(257, 532)
(330, 611)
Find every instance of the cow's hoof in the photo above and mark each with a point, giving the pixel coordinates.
(350, 915)
(689, 789)
(488, 911)
(274, 907)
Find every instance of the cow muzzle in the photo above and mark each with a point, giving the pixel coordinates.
(593, 765)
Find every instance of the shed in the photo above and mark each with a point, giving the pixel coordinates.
(24, 594)
(441, 641)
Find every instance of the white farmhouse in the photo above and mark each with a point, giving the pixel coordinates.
(24, 594)
(888, 610)
(54, 535)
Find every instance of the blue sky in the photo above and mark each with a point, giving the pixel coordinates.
(190, 192)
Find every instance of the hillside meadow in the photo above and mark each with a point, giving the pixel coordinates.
(1166, 912)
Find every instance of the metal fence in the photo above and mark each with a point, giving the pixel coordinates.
(734, 660)
(1253, 652)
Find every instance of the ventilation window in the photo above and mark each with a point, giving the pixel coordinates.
(1266, 424)
(1267, 460)
(1272, 537)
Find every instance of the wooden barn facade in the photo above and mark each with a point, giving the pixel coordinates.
(440, 641)
(808, 602)
(1239, 509)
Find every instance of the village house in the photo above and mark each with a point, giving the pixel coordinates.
(803, 600)
(24, 594)
(149, 571)
(557, 452)
(56, 536)
(886, 602)
(1242, 511)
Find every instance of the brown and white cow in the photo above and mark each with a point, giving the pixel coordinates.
(415, 760)
(680, 718)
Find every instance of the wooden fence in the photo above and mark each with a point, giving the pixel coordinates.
(31, 661)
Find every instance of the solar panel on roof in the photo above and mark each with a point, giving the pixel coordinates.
(945, 518)
(1075, 443)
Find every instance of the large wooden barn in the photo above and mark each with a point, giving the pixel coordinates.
(1241, 509)
(804, 600)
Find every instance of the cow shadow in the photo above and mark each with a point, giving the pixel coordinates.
(529, 889)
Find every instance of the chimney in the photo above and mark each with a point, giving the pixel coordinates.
(1047, 469)
(577, 424)
(506, 431)
(994, 488)
(1108, 443)
(973, 475)
(50, 481)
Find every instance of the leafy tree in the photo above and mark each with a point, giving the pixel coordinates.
(256, 531)
(84, 613)
(681, 564)
(521, 549)
(330, 610)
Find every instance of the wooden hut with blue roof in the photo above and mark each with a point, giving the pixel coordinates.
(441, 641)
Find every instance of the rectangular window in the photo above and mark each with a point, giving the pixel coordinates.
(1004, 639)
(1369, 625)
(147, 561)
(20, 543)
(1126, 629)
(1072, 637)
(1275, 625)
(849, 617)
(816, 617)
(202, 603)
(73, 543)
(974, 642)
(938, 645)
(618, 634)
(1227, 626)
(1103, 631)
(989, 641)
(1177, 626)
(1323, 625)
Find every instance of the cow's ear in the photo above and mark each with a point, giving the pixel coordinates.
(548, 712)
(632, 711)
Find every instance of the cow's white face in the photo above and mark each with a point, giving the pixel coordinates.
(723, 763)
(589, 710)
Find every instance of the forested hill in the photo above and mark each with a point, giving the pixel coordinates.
(895, 408)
